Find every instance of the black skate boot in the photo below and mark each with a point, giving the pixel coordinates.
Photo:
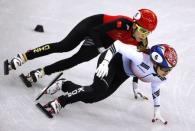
(14, 63)
(32, 77)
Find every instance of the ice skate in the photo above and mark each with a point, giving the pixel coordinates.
(43, 109)
(32, 77)
(51, 108)
(14, 63)
(55, 87)
(48, 86)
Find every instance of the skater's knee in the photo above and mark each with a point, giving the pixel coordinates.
(60, 47)
(68, 44)
(100, 85)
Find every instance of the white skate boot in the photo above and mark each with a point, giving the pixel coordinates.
(56, 106)
(55, 86)
(17, 61)
(53, 107)
(14, 63)
(32, 77)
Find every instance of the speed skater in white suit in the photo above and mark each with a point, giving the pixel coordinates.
(116, 65)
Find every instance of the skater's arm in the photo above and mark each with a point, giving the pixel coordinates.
(124, 49)
(156, 99)
(156, 93)
(129, 51)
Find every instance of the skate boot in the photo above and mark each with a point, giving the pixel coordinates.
(53, 107)
(32, 77)
(55, 86)
(14, 63)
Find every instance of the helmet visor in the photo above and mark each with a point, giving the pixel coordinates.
(142, 30)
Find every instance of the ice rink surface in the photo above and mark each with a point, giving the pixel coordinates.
(120, 112)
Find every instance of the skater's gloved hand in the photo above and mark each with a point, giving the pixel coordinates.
(137, 92)
(102, 70)
(157, 116)
(101, 49)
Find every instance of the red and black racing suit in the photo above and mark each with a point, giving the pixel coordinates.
(97, 31)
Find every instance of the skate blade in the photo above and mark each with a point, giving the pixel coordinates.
(47, 113)
(42, 92)
(6, 69)
(25, 81)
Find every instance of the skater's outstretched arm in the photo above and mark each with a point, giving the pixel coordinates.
(126, 50)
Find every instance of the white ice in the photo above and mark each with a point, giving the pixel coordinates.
(120, 111)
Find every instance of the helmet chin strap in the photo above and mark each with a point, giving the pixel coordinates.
(133, 32)
(155, 67)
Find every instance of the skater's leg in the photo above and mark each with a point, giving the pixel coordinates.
(73, 39)
(99, 90)
(82, 93)
(76, 93)
(62, 84)
(116, 76)
(85, 53)
(70, 42)
(103, 88)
